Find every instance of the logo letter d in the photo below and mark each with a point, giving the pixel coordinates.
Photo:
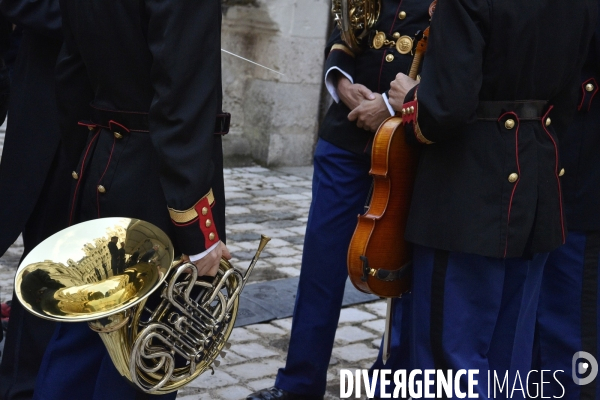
(582, 367)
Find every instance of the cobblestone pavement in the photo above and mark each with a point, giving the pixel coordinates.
(273, 202)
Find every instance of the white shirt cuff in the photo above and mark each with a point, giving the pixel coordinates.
(199, 256)
(389, 107)
(331, 85)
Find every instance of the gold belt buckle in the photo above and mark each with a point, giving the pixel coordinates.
(404, 44)
(378, 40)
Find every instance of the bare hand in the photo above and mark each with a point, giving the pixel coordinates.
(352, 94)
(209, 264)
(398, 90)
(370, 113)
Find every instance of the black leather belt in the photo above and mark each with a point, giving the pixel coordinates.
(135, 121)
(525, 109)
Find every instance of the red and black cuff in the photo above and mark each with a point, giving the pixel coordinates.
(196, 224)
(410, 115)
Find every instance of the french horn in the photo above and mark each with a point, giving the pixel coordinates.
(159, 343)
(354, 18)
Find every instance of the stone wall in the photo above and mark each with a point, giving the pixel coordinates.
(274, 117)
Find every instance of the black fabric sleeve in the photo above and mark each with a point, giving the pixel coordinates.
(42, 16)
(448, 93)
(184, 40)
(339, 55)
(5, 33)
(73, 96)
(565, 102)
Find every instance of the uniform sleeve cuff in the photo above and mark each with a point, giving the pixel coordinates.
(410, 116)
(196, 226)
(330, 83)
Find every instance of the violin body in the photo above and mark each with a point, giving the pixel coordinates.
(379, 259)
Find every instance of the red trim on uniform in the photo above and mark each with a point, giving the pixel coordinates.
(593, 94)
(395, 17)
(202, 222)
(512, 195)
(112, 128)
(102, 176)
(368, 144)
(381, 71)
(583, 92)
(187, 223)
(556, 172)
(80, 177)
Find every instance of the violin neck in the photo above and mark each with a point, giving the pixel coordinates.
(419, 53)
(414, 68)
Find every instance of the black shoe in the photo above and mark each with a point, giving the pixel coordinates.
(278, 394)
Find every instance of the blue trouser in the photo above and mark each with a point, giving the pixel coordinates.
(568, 314)
(474, 312)
(341, 183)
(87, 374)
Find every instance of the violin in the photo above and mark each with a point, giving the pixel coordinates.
(379, 259)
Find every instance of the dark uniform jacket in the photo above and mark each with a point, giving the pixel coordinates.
(145, 78)
(32, 135)
(374, 68)
(489, 177)
(580, 149)
(33, 193)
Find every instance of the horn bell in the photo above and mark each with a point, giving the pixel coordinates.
(78, 275)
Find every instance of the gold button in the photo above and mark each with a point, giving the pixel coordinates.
(548, 121)
(211, 236)
(118, 135)
(396, 35)
(509, 124)
(74, 175)
(91, 128)
(402, 15)
(389, 58)
(589, 87)
(101, 189)
(512, 178)
(204, 210)
(412, 109)
(562, 172)
(208, 223)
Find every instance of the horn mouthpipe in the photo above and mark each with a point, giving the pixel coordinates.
(263, 242)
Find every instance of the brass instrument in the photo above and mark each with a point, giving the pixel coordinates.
(354, 18)
(76, 275)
